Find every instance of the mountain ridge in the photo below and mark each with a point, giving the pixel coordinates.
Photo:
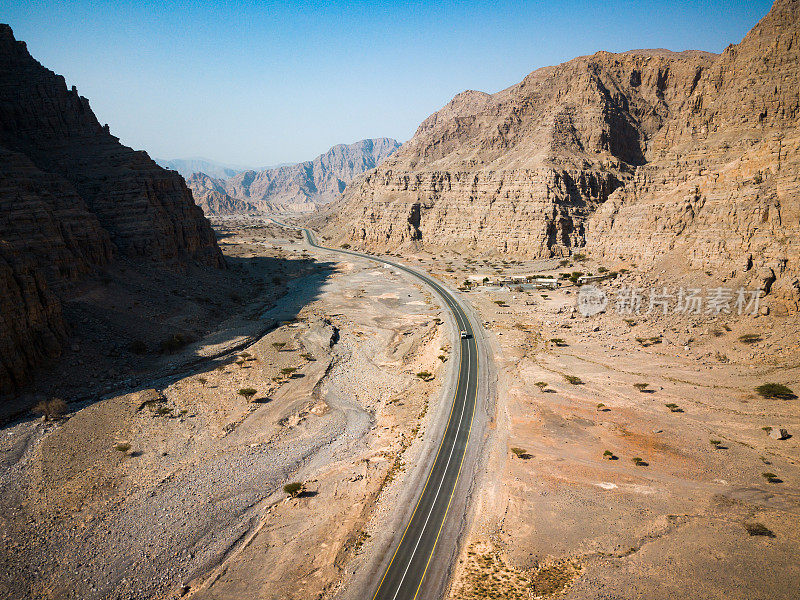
(637, 155)
(72, 200)
(295, 187)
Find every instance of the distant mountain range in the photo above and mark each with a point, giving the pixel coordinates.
(188, 166)
(297, 187)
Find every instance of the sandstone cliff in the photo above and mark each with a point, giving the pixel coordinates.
(71, 199)
(299, 187)
(635, 155)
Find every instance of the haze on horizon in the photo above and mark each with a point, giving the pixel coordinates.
(268, 83)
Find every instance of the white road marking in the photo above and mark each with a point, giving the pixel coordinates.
(439, 489)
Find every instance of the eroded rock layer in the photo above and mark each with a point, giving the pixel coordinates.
(71, 197)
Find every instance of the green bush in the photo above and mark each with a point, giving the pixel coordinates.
(247, 393)
(573, 379)
(775, 390)
(520, 452)
(52, 409)
(293, 489)
(750, 338)
(758, 529)
(641, 386)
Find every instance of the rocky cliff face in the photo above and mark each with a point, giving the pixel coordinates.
(721, 189)
(71, 199)
(633, 155)
(213, 199)
(300, 187)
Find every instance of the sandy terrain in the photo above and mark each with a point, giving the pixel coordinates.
(690, 518)
(174, 488)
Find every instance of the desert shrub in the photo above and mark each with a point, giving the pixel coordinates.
(202, 381)
(758, 178)
(638, 461)
(425, 375)
(674, 407)
(758, 529)
(575, 275)
(51, 409)
(608, 454)
(288, 370)
(278, 345)
(345, 246)
(775, 390)
(247, 393)
(630, 322)
(308, 356)
(750, 338)
(558, 342)
(122, 446)
(641, 386)
(715, 443)
(520, 452)
(600, 406)
(541, 385)
(771, 477)
(175, 342)
(137, 347)
(293, 489)
(602, 270)
(574, 380)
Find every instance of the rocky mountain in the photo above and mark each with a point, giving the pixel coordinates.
(189, 166)
(213, 199)
(298, 187)
(72, 199)
(647, 155)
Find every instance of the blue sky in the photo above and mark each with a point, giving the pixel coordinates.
(261, 83)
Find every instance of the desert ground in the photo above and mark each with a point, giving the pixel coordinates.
(171, 484)
(628, 455)
(597, 489)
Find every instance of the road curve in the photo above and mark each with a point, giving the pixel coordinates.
(406, 571)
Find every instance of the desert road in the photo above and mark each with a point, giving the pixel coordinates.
(405, 574)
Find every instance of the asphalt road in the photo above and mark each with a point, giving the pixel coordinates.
(408, 567)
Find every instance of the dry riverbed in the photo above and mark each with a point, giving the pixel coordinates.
(175, 489)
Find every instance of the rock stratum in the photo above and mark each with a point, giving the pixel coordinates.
(297, 188)
(647, 155)
(72, 200)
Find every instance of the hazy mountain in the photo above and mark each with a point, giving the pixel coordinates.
(301, 186)
(188, 166)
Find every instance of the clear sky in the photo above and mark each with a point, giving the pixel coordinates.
(261, 83)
